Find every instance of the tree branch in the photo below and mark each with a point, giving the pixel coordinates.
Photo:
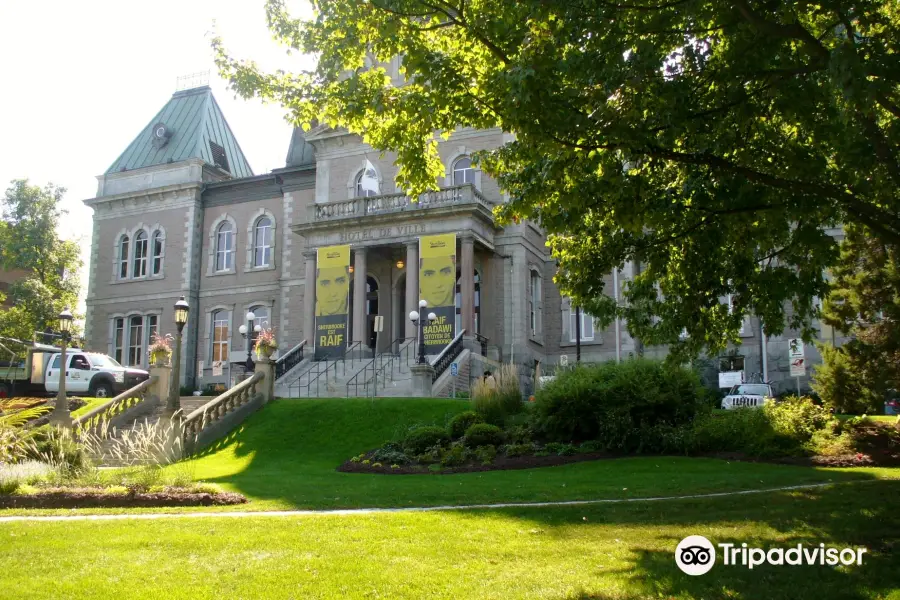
(791, 31)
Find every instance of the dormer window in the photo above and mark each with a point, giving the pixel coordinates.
(219, 157)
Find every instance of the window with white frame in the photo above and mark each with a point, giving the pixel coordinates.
(225, 247)
(262, 320)
(535, 304)
(463, 172)
(152, 328)
(587, 325)
(220, 325)
(140, 254)
(123, 257)
(729, 299)
(135, 340)
(262, 242)
(119, 339)
(362, 189)
(158, 241)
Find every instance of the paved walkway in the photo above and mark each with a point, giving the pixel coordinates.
(371, 511)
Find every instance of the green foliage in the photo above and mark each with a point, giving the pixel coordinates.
(560, 449)
(864, 302)
(390, 456)
(483, 434)
(617, 404)
(522, 449)
(456, 455)
(486, 454)
(461, 422)
(703, 139)
(14, 443)
(500, 401)
(420, 439)
(29, 243)
(489, 406)
(58, 447)
(20, 418)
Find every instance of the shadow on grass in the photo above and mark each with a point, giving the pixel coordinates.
(844, 516)
(286, 455)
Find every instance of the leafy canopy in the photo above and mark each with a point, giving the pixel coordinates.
(29, 243)
(710, 141)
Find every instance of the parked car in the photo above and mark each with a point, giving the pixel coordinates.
(748, 395)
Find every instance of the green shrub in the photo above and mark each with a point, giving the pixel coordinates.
(462, 421)
(617, 403)
(513, 450)
(483, 434)
(520, 434)
(456, 455)
(57, 447)
(488, 405)
(502, 400)
(486, 454)
(842, 384)
(560, 449)
(420, 439)
(390, 456)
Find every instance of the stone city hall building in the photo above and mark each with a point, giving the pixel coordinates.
(180, 212)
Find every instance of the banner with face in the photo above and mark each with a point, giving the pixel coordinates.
(437, 285)
(332, 292)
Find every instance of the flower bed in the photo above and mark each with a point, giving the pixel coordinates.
(501, 463)
(122, 498)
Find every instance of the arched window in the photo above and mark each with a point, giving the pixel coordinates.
(140, 254)
(366, 183)
(476, 303)
(262, 242)
(535, 303)
(123, 257)
(463, 171)
(157, 252)
(225, 247)
(220, 323)
(135, 340)
(262, 319)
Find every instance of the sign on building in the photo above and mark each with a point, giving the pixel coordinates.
(795, 348)
(730, 379)
(798, 367)
(332, 292)
(437, 286)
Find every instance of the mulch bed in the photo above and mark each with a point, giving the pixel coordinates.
(501, 463)
(93, 498)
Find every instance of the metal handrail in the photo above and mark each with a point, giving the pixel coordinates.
(447, 355)
(318, 374)
(289, 360)
(355, 379)
(389, 365)
(347, 352)
(483, 342)
(403, 344)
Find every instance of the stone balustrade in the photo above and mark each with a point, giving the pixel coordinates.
(126, 406)
(393, 203)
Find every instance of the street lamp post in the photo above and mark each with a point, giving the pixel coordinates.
(173, 403)
(420, 324)
(245, 332)
(61, 414)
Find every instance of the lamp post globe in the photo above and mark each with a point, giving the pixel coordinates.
(173, 402)
(61, 416)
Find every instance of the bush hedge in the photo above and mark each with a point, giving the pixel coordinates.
(624, 406)
(420, 439)
(483, 434)
(462, 421)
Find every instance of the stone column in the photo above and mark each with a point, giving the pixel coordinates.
(309, 299)
(267, 385)
(467, 284)
(159, 389)
(359, 296)
(412, 285)
(422, 380)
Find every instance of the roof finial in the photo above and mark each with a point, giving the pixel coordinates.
(192, 80)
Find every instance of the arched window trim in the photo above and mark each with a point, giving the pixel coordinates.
(535, 302)
(355, 176)
(122, 256)
(460, 153)
(125, 348)
(250, 254)
(213, 246)
(140, 250)
(268, 305)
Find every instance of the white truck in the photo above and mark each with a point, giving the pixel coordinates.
(753, 395)
(86, 373)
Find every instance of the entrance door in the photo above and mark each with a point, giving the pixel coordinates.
(372, 336)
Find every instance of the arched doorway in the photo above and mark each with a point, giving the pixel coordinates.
(371, 310)
(476, 303)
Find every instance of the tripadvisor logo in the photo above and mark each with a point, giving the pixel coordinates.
(696, 555)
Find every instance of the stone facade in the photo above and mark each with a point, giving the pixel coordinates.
(202, 228)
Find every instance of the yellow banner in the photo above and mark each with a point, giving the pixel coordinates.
(332, 291)
(437, 286)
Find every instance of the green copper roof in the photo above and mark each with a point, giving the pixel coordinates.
(192, 119)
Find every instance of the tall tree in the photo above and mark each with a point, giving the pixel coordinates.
(713, 140)
(865, 301)
(29, 242)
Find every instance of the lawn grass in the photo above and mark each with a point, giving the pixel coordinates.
(92, 403)
(600, 552)
(287, 454)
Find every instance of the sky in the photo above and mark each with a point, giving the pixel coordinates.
(80, 80)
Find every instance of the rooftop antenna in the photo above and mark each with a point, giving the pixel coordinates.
(192, 80)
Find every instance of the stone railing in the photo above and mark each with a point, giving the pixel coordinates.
(216, 410)
(123, 407)
(391, 203)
